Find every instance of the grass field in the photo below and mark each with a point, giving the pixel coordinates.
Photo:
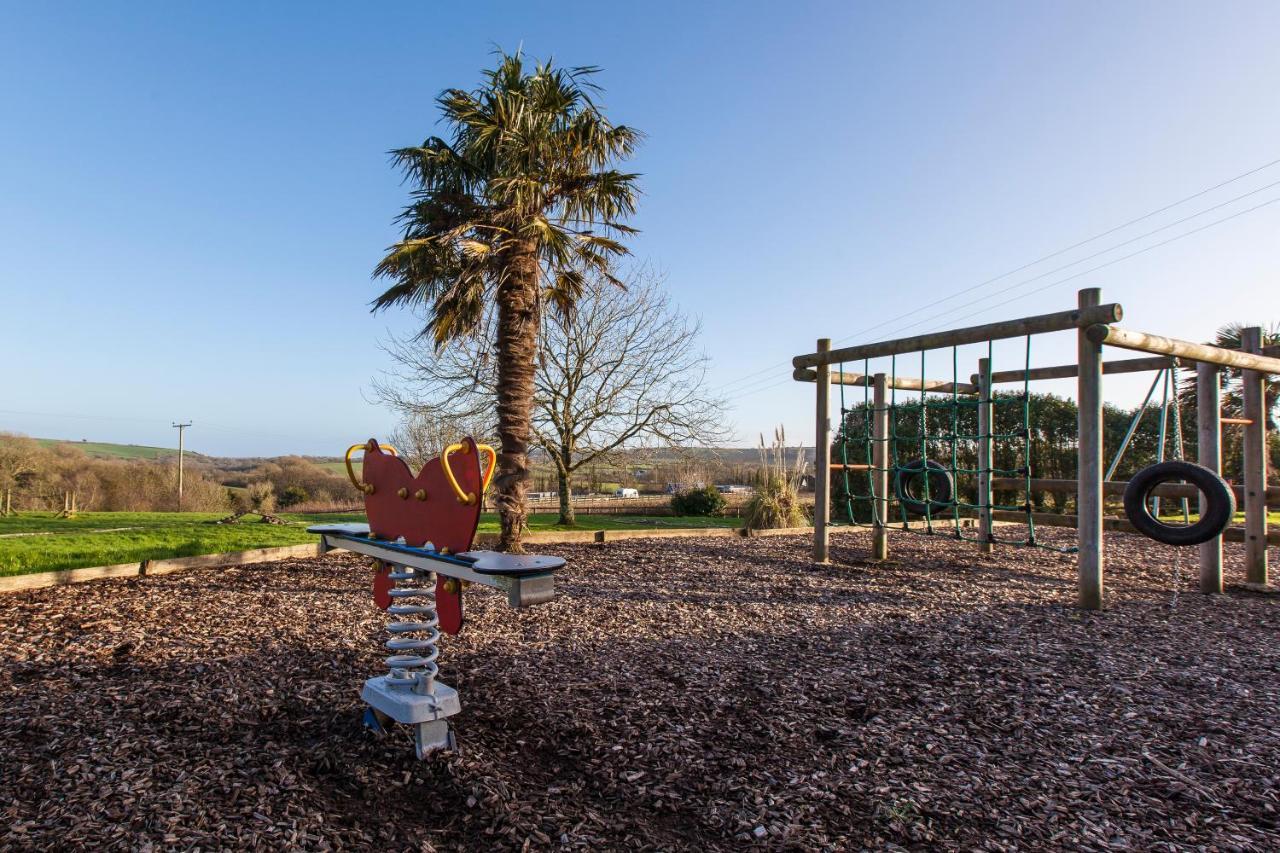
(107, 450)
(39, 542)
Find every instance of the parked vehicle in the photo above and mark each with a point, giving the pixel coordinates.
(626, 493)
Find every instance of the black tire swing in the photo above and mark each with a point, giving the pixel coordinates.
(1220, 503)
(908, 478)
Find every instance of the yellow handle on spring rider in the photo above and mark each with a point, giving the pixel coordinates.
(468, 497)
(366, 488)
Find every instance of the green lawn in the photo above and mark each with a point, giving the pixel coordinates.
(95, 538)
(107, 450)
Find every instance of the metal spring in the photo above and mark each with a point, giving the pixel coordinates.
(413, 663)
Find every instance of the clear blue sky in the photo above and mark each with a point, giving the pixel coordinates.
(194, 194)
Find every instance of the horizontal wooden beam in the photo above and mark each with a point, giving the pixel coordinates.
(1069, 371)
(1037, 325)
(1117, 487)
(900, 383)
(1116, 525)
(1143, 342)
(1236, 421)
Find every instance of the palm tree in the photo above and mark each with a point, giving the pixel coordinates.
(518, 206)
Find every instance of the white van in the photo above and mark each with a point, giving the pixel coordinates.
(626, 493)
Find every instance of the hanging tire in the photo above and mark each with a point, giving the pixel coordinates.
(1220, 503)
(941, 487)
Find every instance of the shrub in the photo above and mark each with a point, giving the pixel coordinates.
(293, 495)
(704, 501)
(776, 502)
(261, 496)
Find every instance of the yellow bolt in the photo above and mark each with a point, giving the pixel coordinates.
(367, 488)
(421, 494)
(403, 492)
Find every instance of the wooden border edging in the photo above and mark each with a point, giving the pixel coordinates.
(40, 580)
(145, 568)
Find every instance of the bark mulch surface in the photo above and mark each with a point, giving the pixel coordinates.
(691, 694)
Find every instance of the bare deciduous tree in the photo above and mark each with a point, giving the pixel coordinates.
(620, 374)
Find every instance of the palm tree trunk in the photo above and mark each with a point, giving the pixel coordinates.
(517, 351)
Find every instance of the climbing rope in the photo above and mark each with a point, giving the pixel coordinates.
(909, 433)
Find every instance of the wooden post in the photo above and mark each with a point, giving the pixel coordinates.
(822, 460)
(880, 464)
(985, 451)
(1089, 562)
(1209, 454)
(1255, 464)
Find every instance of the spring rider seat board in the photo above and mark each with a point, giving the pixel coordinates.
(429, 507)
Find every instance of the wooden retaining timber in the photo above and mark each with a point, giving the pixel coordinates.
(1116, 488)
(1143, 342)
(156, 567)
(39, 580)
(1056, 322)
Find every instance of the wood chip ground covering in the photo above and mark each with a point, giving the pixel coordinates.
(681, 694)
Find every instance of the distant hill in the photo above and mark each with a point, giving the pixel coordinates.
(334, 464)
(106, 450)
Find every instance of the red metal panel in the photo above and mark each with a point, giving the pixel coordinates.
(449, 604)
(382, 584)
(395, 508)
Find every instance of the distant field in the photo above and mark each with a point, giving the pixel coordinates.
(107, 538)
(106, 450)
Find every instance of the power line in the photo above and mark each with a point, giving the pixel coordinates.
(1062, 281)
(1143, 250)
(1098, 254)
(746, 379)
(80, 416)
(1099, 236)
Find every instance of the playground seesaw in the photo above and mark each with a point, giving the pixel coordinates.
(419, 535)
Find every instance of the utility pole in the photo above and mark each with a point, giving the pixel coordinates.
(180, 428)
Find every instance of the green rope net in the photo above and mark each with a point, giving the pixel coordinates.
(926, 429)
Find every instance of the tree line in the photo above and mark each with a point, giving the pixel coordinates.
(40, 477)
(1036, 435)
